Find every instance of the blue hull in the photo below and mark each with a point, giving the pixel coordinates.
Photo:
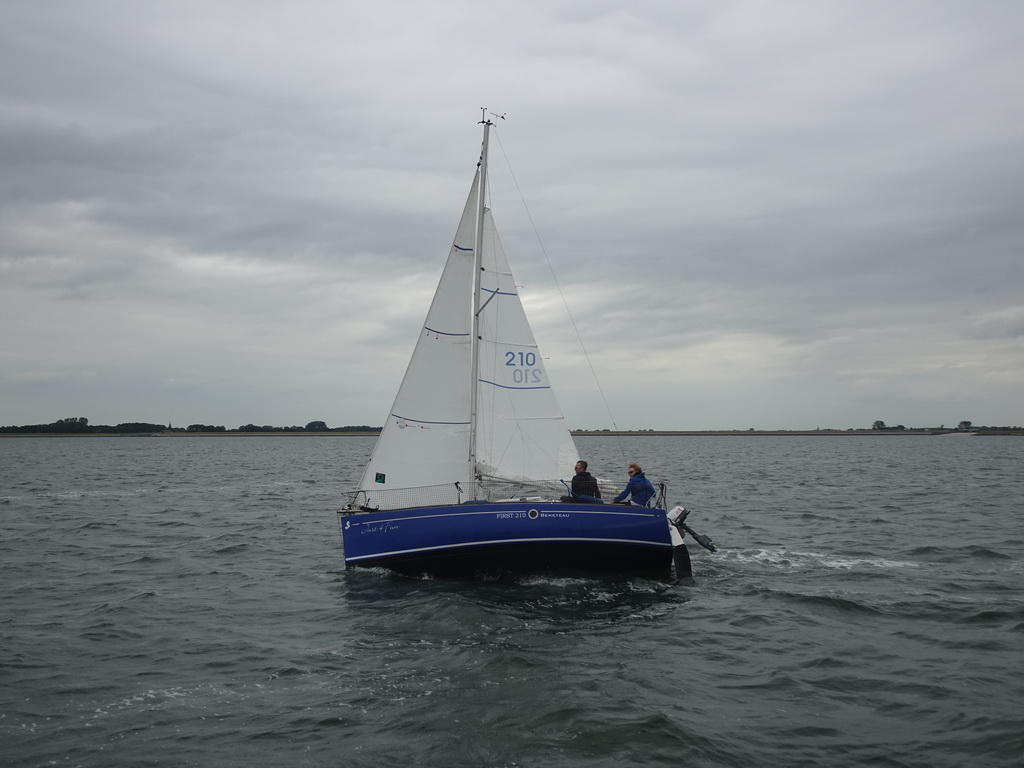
(521, 536)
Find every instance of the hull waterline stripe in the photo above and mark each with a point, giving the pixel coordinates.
(559, 539)
(494, 512)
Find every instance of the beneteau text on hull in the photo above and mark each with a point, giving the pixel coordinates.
(467, 472)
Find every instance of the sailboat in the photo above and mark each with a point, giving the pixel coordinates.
(467, 474)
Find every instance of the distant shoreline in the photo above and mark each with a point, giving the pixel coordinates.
(798, 432)
(574, 433)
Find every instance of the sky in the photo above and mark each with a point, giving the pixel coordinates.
(723, 215)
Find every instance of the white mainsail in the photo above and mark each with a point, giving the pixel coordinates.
(431, 437)
(521, 432)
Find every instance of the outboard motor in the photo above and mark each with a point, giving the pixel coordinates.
(680, 554)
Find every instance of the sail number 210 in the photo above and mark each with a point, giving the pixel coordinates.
(523, 364)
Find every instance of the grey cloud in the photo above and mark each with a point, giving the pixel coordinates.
(776, 199)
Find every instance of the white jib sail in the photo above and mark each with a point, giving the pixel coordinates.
(425, 440)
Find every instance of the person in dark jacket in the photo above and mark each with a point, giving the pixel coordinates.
(639, 489)
(584, 484)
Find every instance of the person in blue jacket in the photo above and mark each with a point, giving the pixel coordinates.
(639, 489)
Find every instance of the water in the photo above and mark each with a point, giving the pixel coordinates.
(183, 602)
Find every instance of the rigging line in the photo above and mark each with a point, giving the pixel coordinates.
(561, 294)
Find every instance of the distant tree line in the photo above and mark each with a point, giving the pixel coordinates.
(80, 426)
(313, 426)
(963, 426)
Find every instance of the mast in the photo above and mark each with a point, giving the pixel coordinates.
(477, 268)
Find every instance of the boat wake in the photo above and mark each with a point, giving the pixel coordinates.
(787, 560)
